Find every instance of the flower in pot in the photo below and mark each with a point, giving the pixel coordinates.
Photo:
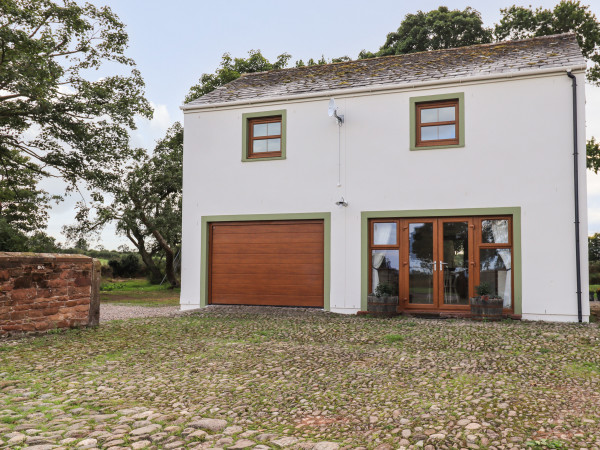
(486, 306)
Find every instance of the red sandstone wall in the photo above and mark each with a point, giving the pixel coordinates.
(42, 291)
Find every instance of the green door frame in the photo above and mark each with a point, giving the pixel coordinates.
(206, 220)
(516, 263)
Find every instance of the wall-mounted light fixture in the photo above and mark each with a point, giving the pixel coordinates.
(342, 202)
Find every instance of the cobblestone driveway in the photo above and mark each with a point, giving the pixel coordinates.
(268, 378)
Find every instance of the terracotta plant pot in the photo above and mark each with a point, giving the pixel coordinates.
(485, 307)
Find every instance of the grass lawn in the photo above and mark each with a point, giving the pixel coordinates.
(285, 377)
(138, 292)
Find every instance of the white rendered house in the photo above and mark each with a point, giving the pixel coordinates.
(448, 169)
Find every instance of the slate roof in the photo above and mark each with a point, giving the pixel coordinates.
(554, 51)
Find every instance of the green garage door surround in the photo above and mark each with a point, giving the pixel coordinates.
(516, 263)
(206, 220)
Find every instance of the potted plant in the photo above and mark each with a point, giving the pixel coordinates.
(382, 301)
(486, 306)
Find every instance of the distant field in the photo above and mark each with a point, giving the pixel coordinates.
(138, 292)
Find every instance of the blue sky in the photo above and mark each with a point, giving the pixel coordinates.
(174, 43)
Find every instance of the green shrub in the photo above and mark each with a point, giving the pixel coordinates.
(128, 266)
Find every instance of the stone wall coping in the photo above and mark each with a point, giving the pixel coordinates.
(43, 257)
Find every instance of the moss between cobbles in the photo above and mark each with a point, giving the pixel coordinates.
(316, 376)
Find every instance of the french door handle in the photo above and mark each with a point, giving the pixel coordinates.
(435, 266)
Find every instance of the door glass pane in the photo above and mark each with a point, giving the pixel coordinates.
(495, 270)
(494, 231)
(455, 263)
(385, 267)
(420, 270)
(384, 233)
(260, 129)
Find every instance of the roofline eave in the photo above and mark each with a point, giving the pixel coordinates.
(384, 87)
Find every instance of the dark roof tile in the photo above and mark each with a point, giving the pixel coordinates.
(559, 50)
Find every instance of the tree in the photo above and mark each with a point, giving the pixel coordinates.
(322, 60)
(145, 205)
(593, 155)
(438, 29)
(154, 189)
(53, 108)
(233, 68)
(594, 248)
(518, 22)
(22, 204)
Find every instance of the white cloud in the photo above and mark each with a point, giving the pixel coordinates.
(162, 118)
(149, 131)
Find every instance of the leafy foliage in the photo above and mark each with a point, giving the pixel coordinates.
(22, 204)
(50, 108)
(592, 149)
(14, 240)
(231, 69)
(594, 248)
(322, 60)
(438, 29)
(145, 204)
(483, 289)
(519, 22)
(127, 266)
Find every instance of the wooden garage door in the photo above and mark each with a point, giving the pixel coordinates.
(267, 263)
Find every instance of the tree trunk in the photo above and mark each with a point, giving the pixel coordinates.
(138, 240)
(169, 253)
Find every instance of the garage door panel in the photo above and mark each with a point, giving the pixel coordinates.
(268, 279)
(287, 227)
(267, 300)
(271, 289)
(269, 249)
(271, 268)
(267, 263)
(253, 258)
(268, 238)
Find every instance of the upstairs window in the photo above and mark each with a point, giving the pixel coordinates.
(437, 123)
(263, 135)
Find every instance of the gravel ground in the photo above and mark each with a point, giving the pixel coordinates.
(235, 377)
(120, 312)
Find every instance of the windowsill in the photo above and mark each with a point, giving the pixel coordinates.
(263, 158)
(436, 147)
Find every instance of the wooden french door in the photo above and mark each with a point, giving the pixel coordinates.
(437, 263)
(434, 264)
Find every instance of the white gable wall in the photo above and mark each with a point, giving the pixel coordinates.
(518, 153)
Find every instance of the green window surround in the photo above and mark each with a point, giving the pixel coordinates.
(460, 96)
(206, 220)
(245, 133)
(516, 263)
